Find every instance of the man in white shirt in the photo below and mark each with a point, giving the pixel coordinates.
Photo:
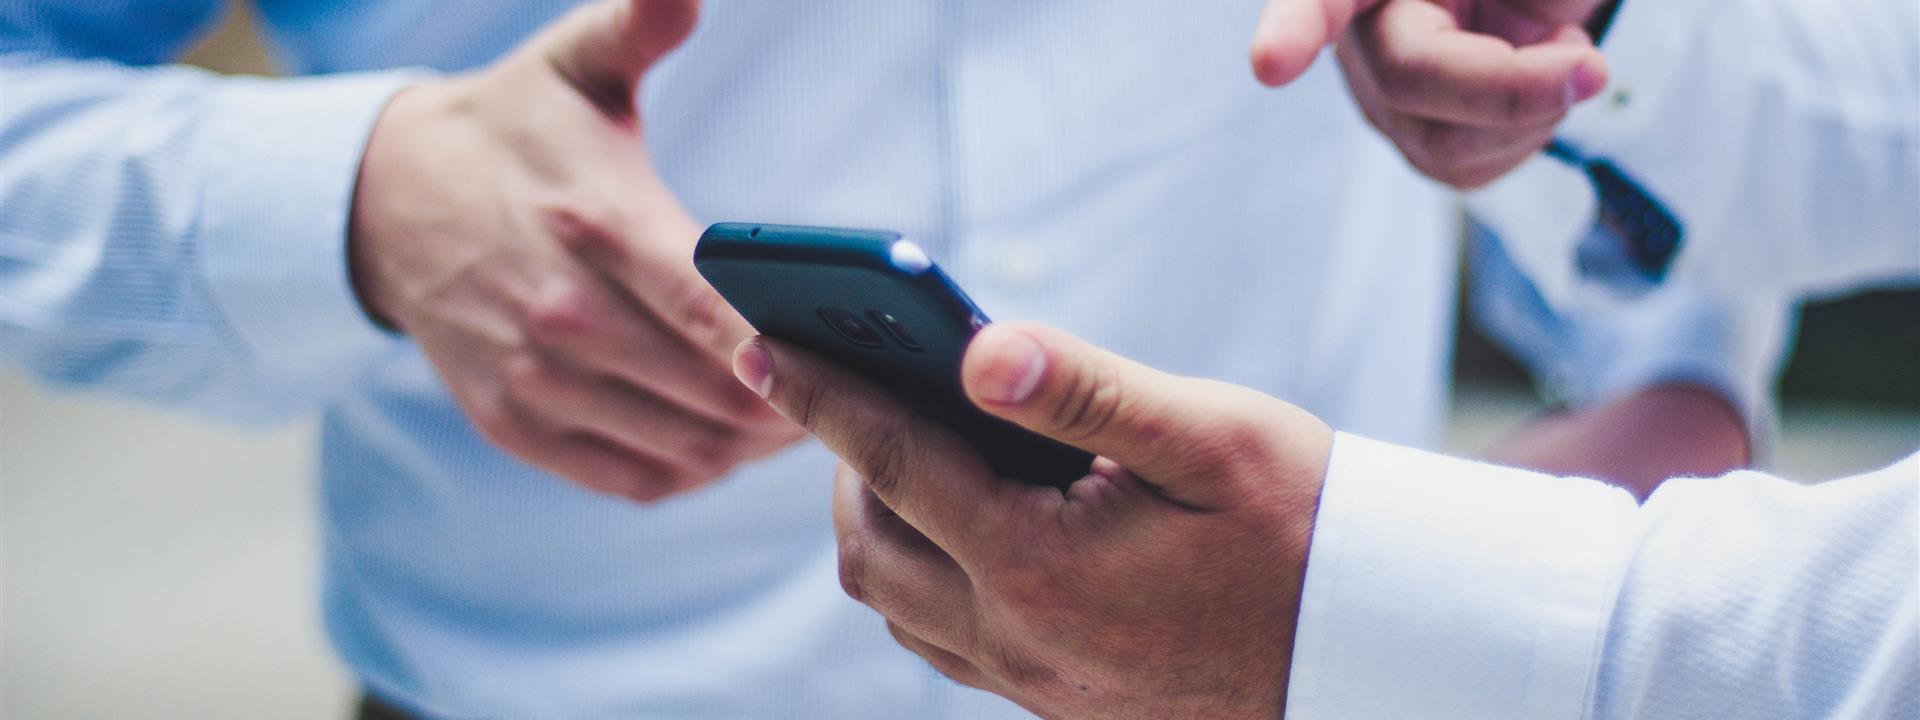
(486, 178)
(1230, 555)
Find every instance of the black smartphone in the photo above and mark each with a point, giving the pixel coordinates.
(874, 302)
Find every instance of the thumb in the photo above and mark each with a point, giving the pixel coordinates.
(1181, 435)
(1292, 32)
(604, 48)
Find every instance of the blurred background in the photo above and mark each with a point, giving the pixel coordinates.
(155, 566)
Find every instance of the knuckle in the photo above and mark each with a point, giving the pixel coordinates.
(1514, 105)
(586, 232)
(1239, 442)
(1529, 105)
(1092, 401)
(883, 462)
(563, 310)
(854, 552)
(1402, 78)
(812, 402)
(702, 311)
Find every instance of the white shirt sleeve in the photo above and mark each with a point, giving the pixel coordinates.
(1606, 346)
(173, 235)
(1784, 134)
(1443, 588)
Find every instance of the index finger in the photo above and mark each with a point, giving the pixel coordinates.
(656, 269)
(891, 567)
(929, 477)
(1291, 34)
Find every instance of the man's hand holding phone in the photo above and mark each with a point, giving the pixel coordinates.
(510, 222)
(1079, 603)
(1467, 89)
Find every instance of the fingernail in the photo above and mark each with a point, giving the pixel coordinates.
(1587, 81)
(754, 367)
(1014, 365)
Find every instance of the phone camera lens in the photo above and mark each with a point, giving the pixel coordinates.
(896, 329)
(851, 328)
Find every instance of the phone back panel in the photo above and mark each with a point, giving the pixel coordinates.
(801, 284)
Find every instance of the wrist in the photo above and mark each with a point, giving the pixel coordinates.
(1308, 442)
(373, 213)
(368, 288)
(1638, 440)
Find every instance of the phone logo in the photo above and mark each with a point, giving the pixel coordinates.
(851, 328)
(869, 332)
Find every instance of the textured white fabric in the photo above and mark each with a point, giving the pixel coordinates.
(1748, 596)
(1784, 133)
(1442, 588)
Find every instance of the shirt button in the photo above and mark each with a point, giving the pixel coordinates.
(1620, 98)
(1022, 265)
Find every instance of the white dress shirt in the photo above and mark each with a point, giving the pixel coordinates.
(1782, 132)
(1108, 167)
(1786, 135)
(1442, 588)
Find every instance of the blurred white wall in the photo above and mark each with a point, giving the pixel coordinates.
(153, 566)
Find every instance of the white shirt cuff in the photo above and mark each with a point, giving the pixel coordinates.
(1443, 588)
(284, 159)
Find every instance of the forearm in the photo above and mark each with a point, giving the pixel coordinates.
(1675, 382)
(1636, 441)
